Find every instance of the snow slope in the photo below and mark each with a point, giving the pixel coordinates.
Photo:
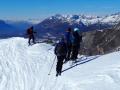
(24, 67)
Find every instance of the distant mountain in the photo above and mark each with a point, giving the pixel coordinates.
(12, 28)
(22, 25)
(7, 30)
(57, 24)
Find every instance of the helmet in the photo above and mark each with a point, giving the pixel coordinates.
(76, 29)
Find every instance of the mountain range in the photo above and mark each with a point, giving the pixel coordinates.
(57, 24)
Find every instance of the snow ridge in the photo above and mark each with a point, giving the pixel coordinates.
(24, 67)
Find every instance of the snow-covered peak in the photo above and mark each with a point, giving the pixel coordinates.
(87, 19)
(111, 19)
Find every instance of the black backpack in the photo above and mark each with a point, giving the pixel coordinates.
(29, 31)
(60, 49)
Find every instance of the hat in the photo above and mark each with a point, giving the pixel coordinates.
(76, 29)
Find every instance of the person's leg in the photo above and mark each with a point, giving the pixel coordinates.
(29, 40)
(73, 52)
(69, 52)
(58, 65)
(33, 39)
(61, 64)
(76, 52)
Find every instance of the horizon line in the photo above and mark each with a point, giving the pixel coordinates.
(42, 18)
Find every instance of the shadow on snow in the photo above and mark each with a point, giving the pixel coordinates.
(86, 60)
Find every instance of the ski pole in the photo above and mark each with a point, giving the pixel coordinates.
(52, 66)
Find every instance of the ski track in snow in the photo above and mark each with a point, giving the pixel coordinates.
(24, 67)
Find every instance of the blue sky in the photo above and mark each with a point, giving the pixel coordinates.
(25, 9)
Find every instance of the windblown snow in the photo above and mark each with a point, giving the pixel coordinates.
(24, 67)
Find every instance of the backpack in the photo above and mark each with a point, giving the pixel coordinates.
(29, 31)
(60, 49)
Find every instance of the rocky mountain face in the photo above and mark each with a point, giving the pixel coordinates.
(102, 41)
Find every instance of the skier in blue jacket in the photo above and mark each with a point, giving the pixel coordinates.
(68, 40)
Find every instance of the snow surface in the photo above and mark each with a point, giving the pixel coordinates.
(24, 67)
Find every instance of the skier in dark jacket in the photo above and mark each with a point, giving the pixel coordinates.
(76, 44)
(60, 52)
(30, 34)
(68, 40)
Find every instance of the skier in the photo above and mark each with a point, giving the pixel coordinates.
(75, 44)
(30, 34)
(68, 40)
(60, 52)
